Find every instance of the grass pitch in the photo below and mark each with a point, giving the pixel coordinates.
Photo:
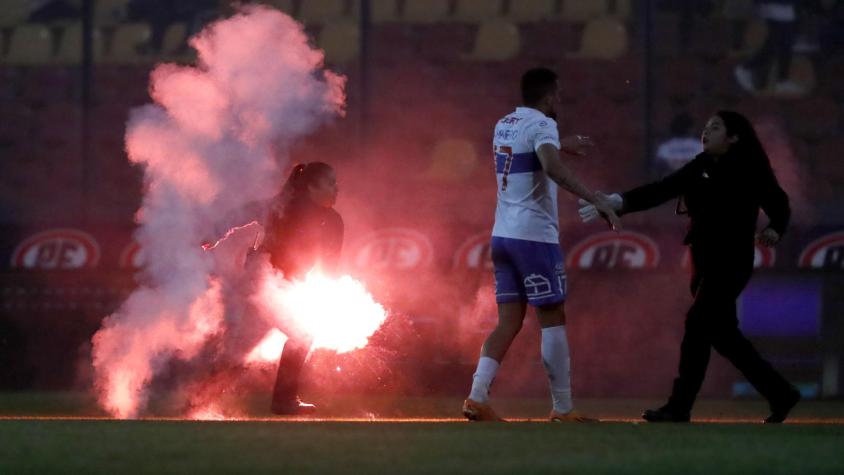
(51, 442)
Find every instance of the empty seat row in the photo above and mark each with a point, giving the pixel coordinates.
(496, 40)
(112, 12)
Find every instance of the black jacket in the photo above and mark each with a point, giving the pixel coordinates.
(723, 197)
(302, 236)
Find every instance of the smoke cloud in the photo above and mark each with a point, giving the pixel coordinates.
(215, 140)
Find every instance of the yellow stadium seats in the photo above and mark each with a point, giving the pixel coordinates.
(384, 11)
(477, 10)
(174, 39)
(581, 11)
(531, 10)
(125, 42)
(341, 41)
(109, 12)
(603, 39)
(30, 44)
(13, 13)
(452, 160)
(321, 11)
(425, 11)
(496, 40)
(70, 48)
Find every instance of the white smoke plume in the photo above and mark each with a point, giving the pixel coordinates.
(214, 140)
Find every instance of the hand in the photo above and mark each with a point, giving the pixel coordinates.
(768, 237)
(576, 144)
(606, 206)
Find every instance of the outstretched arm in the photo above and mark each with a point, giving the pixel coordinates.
(549, 158)
(654, 194)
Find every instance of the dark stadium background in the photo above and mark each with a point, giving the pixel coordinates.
(427, 79)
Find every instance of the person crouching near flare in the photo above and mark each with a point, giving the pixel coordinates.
(526, 242)
(302, 231)
(723, 189)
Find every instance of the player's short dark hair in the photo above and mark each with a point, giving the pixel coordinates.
(536, 84)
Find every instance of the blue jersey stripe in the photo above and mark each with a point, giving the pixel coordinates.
(521, 163)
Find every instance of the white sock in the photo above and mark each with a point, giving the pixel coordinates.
(487, 367)
(555, 358)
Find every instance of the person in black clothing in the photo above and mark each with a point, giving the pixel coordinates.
(302, 232)
(722, 189)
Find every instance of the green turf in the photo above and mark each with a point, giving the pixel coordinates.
(106, 446)
(401, 448)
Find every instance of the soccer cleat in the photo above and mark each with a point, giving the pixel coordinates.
(479, 412)
(572, 416)
(664, 414)
(293, 407)
(780, 411)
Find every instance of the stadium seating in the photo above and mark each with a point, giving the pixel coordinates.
(70, 47)
(124, 45)
(527, 11)
(603, 39)
(341, 41)
(287, 6)
(321, 11)
(496, 41)
(384, 11)
(582, 11)
(477, 10)
(425, 11)
(30, 45)
(109, 12)
(13, 13)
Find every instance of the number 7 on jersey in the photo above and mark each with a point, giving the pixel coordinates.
(506, 152)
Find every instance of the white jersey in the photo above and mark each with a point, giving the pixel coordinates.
(527, 198)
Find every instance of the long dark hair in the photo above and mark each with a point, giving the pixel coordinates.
(748, 149)
(301, 177)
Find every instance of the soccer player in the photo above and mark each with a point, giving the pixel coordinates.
(525, 241)
(723, 189)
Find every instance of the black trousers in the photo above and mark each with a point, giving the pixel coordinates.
(290, 366)
(717, 280)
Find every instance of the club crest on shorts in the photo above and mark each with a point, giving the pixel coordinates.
(609, 250)
(57, 249)
(826, 252)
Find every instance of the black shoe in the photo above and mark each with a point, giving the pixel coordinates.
(780, 410)
(293, 407)
(664, 414)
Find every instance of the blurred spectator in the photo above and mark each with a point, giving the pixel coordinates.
(162, 13)
(680, 148)
(752, 75)
(43, 11)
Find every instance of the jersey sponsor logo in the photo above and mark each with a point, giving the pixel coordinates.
(763, 257)
(609, 250)
(826, 252)
(57, 249)
(132, 256)
(393, 249)
(475, 253)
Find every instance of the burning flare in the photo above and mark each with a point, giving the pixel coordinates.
(338, 313)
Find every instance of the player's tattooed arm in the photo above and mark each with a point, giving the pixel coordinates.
(549, 158)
